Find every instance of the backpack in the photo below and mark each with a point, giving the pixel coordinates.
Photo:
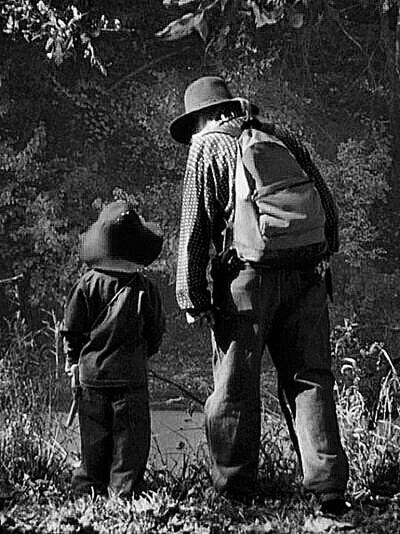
(277, 216)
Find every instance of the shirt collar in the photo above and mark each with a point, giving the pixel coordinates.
(231, 127)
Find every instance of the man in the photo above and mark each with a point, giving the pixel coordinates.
(283, 307)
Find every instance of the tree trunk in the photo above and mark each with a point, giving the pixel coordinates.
(391, 40)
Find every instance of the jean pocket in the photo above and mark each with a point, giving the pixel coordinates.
(240, 295)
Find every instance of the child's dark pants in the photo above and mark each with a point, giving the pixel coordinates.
(115, 440)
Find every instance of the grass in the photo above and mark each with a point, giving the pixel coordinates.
(35, 469)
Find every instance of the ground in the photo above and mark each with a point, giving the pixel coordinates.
(179, 498)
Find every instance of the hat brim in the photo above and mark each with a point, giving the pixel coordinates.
(116, 265)
(94, 249)
(182, 128)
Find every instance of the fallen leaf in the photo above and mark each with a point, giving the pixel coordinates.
(325, 524)
(265, 528)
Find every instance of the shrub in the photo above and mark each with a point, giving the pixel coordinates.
(358, 179)
(367, 392)
(29, 386)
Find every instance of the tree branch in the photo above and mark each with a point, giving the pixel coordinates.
(185, 391)
(143, 68)
(334, 14)
(12, 279)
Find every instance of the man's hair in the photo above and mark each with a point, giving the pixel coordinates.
(230, 110)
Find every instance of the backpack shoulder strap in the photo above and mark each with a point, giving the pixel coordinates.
(251, 136)
(242, 142)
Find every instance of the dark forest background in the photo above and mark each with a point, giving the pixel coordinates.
(87, 94)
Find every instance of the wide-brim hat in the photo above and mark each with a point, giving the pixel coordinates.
(204, 93)
(120, 240)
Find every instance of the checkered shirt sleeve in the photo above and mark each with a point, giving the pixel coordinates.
(205, 195)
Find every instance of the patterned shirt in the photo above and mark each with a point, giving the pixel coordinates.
(211, 161)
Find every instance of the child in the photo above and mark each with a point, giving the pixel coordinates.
(113, 323)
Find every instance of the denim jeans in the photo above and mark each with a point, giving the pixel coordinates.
(115, 440)
(285, 310)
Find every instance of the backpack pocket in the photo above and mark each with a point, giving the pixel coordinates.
(290, 213)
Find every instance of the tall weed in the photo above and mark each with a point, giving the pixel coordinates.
(29, 444)
(367, 394)
(368, 412)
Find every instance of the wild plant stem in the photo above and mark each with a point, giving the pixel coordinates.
(185, 391)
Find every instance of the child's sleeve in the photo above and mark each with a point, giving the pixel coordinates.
(75, 326)
(154, 318)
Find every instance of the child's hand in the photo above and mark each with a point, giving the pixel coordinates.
(205, 318)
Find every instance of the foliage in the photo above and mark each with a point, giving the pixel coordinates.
(371, 299)
(72, 139)
(180, 499)
(222, 23)
(359, 179)
(368, 408)
(72, 28)
(117, 147)
(31, 218)
(48, 201)
(203, 19)
(64, 32)
(93, 136)
(29, 448)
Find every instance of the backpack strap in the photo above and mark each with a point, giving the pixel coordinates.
(230, 207)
